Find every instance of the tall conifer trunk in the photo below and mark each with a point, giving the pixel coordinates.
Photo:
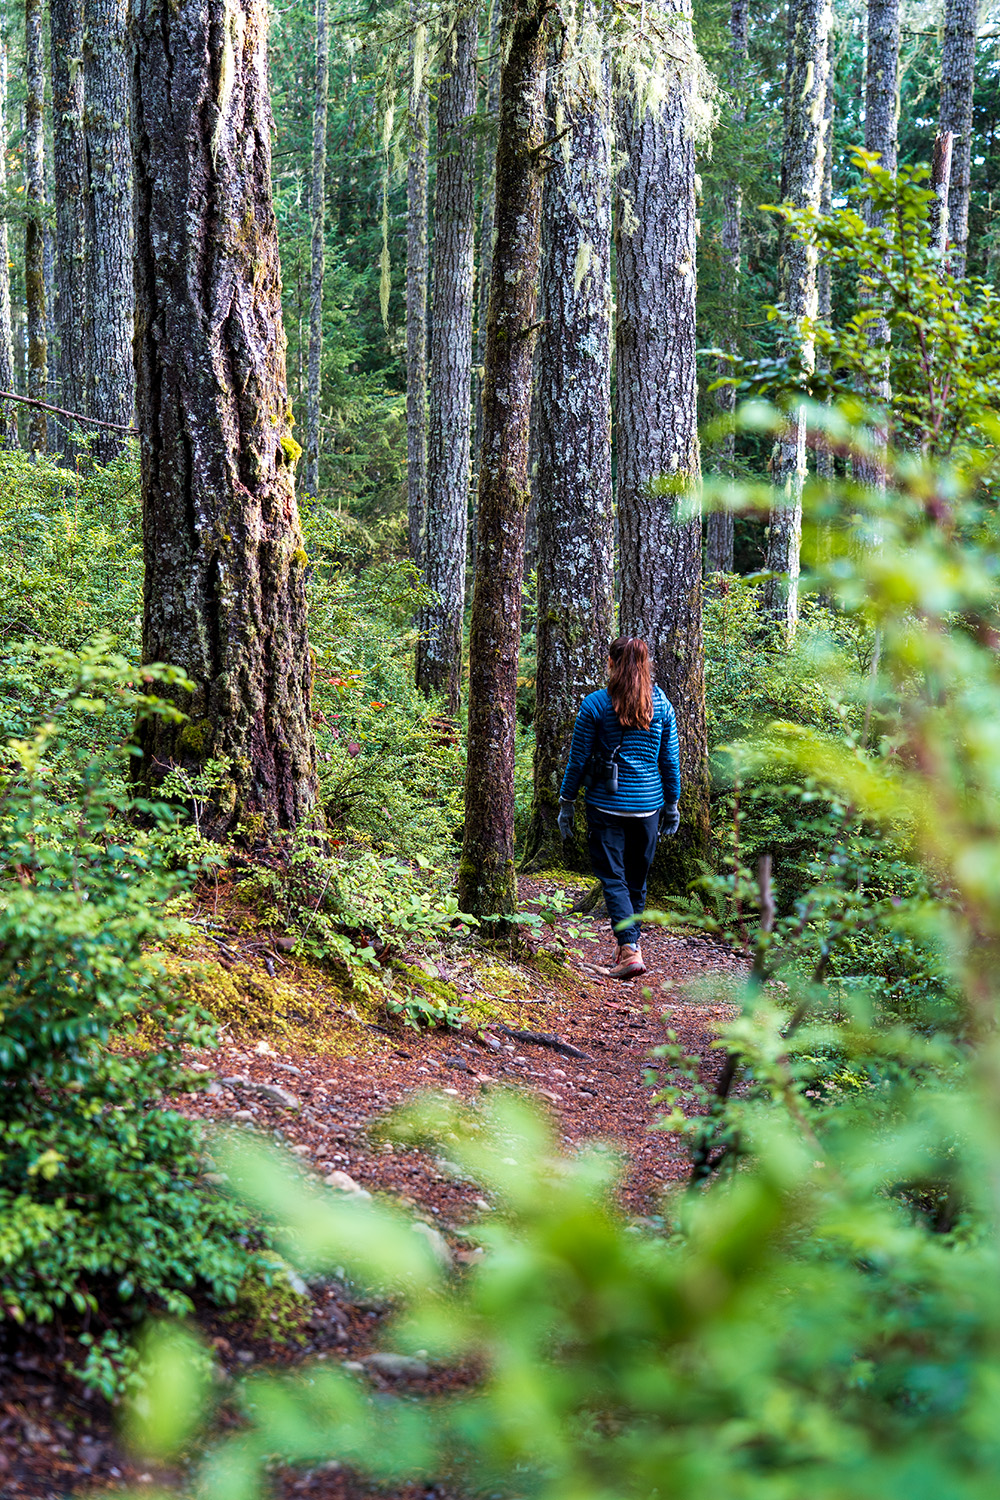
(225, 592)
(34, 210)
(802, 174)
(439, 650)
(487, 213)
(8, 416)
(958, 70)
(880, 137)
(416, 291)
(487, 883)
(109, 219)
(719, 524)
(70, 173)
(317, 213)
(824, 284)
(657, 423)
(575, 556)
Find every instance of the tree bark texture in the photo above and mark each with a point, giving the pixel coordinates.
(880, 137)
(802, 171)
(109, 219)
(575, 554)
(657, 426)
(958, 69)
(70, 176)
(317, 206)
(225, 595)
(719, 524)
(34, 215)
(8, 418)
(416, 292)
(439, 648)
(487, 882)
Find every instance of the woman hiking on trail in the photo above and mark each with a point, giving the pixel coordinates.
(625, 753)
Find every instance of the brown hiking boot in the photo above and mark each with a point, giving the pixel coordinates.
(629, 964)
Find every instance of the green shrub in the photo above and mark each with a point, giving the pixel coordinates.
(103, 1207)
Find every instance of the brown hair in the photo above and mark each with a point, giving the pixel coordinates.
(630, 682)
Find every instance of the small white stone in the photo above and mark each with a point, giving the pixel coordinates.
(343, 1182)
(436, 1240)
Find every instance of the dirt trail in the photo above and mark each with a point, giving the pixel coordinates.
(54, 1443)
(603, 1095)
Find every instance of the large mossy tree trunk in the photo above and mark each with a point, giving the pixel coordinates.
(487, 882)
(958, 71)
(317, 247)
(575, 555)
(657, 423)
(69, 165)
(34, 220)
(439, 648)
(416, 291)
(8, 416)
(719, 531)
(802, 178)
(109, 220)
(225, 595)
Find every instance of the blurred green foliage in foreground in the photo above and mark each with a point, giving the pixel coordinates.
(820, 1313)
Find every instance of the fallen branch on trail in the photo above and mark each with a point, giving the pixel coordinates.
(543, 1039)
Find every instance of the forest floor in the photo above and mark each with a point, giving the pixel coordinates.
(319, 1088)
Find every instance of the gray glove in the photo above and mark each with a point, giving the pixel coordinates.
(565, 819)
(670, 819)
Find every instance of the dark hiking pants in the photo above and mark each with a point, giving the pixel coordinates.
(621, 852)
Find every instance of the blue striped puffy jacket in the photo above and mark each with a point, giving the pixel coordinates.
(649, 772)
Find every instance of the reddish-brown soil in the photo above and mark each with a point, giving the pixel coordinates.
(55, 1442)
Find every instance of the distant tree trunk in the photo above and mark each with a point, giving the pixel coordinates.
(416, 292)
(958, 70)
(487, 214)
(531, 514)
(318, 247)
(225, 595)
(802, 171)
(109, 219)
(657, 424)
(486, 881)
(880, 137)
(824, 285)
(939, 185)
(439, 649)
(70, 172)
(719, 524)
(34, 220)
(8, 417)
(575, 557)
